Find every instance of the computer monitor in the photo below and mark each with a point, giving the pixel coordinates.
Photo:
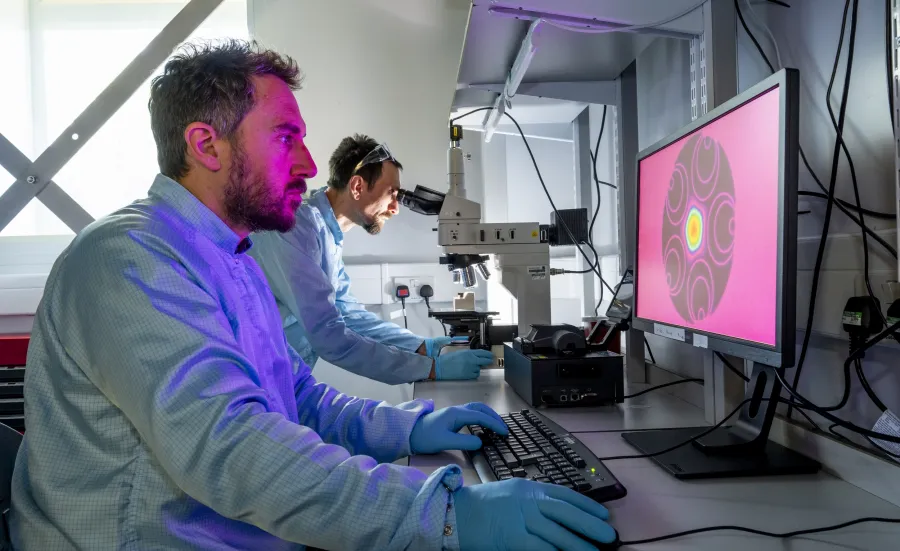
(716, 248)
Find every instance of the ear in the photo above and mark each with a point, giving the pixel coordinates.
(355, 186)
(202, 145)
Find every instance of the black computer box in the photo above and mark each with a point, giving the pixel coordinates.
(594, 379)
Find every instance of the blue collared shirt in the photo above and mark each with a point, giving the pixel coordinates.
(321, 316)
(165, 409)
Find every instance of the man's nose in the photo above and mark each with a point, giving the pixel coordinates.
(305, 166)
(394, 207)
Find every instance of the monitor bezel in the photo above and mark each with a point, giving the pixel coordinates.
(783, 352)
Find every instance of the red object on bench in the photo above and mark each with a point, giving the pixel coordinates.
(13, 349)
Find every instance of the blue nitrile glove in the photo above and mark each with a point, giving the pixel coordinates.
(433, 346)
(438, 431)
(465, 364)
(518, 514)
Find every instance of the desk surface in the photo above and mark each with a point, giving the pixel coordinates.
(658, 504)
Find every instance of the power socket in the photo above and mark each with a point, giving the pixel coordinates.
(414, 283)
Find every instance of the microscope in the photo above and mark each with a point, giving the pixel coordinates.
(518, 251)
(545, 364)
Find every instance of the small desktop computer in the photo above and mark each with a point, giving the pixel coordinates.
(715, 267)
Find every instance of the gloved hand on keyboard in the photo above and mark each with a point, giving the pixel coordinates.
(433, 346)
(439, 431)
(465, 364)
(518, 514)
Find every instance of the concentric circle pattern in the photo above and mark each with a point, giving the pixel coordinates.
(699, 228)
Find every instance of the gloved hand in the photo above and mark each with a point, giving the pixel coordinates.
(438, 431)
(465, 364)
(433, 346)
(518, 514)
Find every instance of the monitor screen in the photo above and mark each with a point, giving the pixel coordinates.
(708, 226)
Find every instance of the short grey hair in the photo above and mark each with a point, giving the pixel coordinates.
(209, 83)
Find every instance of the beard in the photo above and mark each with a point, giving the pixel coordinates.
(374, 226)
(250, 201)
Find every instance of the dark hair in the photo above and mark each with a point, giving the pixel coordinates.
(348, 154)
(209, 83)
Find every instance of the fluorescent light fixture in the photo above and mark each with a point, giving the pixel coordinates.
(513, 80)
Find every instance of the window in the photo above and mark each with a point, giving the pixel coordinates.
(61, 54)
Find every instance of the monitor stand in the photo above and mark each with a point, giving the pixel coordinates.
(740, 450)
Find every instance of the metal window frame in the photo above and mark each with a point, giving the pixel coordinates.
(35, 179)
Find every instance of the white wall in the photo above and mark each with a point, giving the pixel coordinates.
(807, 35)
(386, 68)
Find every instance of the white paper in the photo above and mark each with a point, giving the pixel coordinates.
(397, 313)
(701, 341)
(888, 424)
(670, 332)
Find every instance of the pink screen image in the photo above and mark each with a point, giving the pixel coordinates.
(708, 226)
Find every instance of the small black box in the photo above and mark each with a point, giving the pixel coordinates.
(574, 219)
(596, 378)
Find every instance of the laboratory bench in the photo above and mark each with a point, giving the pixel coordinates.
(658, 504)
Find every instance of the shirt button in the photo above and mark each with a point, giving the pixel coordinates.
(448, 530)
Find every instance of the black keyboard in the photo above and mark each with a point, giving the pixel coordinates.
(539, 449)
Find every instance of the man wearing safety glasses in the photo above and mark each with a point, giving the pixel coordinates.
(306, 273)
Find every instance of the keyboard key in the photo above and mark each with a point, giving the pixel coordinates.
(582, 486)
(552, 472)
(497, 463)
(530, 459)
(510, 460)
(579, 462)
(504, 477)
(569, 469)
(518, 472)
(502, 471)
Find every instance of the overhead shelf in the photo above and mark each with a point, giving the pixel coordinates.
(494, 37)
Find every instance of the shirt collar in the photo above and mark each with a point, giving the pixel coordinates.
(198, 215)
(319, 199)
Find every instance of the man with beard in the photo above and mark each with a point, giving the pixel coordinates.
(306, 272)
(165, 408)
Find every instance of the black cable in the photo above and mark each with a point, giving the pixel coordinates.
(549, 198)
(851, 206)
(591, 267)
(763, 533)
(861, 375)
(657, 387)
(780, 3)
(686, 442)
(887, 246)
(736, 371)
(403, 304)
(839, 130)
(650, 350)
(837, 421)
(878, 451)
(835, 159)
(541, 179)
(889, 57)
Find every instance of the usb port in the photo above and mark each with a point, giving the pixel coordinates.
(498, 234)
(512, 234)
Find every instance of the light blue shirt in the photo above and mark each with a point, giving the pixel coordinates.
(305, 269)
(166, 411)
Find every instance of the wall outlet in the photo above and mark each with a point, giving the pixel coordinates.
(414, 283)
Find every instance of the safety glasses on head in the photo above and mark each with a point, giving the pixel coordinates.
(378, 155)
